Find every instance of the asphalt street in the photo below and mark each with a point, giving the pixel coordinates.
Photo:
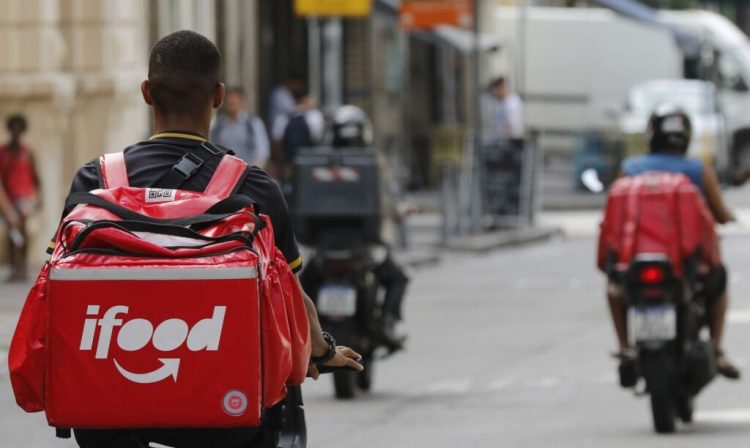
(506, 349)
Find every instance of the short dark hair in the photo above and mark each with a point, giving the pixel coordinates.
(296, 76)
(184, 69)
(299, 94)
(497, 82)
(16, 120)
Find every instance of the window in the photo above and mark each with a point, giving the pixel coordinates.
(730, 74)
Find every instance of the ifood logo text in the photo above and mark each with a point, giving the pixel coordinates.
(135, 334)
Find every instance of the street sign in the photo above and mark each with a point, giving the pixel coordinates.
(347, 8)
(426, 14)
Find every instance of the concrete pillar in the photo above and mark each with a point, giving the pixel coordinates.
(250, 60)
(233, 42)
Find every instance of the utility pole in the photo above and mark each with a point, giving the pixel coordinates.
(314, 58)
(333, 82)
(476, 181)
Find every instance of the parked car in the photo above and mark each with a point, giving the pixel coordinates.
(710, 140)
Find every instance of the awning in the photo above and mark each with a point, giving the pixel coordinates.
(464, 40)
(458, 38)
(688, 43)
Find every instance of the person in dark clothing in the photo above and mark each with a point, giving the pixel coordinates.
(184, 89)
(302, 128)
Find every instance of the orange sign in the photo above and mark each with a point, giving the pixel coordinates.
(425, 14)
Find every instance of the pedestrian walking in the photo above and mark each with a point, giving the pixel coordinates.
(20, 185)
(302, 128)
(236, 129)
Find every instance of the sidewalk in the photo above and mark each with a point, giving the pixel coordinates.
(425, 241)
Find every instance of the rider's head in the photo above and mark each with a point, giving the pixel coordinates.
(669, 130)
(184, 78)
(351, 128)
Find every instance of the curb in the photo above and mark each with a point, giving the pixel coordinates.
(418, 258)
(487, 242)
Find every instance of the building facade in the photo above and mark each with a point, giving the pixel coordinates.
(73, 67)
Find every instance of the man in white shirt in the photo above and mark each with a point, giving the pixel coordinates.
(506, 119)
(237, 130)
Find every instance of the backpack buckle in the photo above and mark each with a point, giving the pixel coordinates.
(188, 165)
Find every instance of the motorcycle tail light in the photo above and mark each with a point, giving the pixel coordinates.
(652, 275)
(338, 265)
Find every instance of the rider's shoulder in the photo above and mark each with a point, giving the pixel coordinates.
(262, 187)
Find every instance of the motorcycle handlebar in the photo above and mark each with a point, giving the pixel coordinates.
(329, 369)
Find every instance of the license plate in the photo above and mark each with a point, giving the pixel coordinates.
(652, 323)
(337, 300)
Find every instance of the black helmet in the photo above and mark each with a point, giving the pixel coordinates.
(669, 129)
(351, 128)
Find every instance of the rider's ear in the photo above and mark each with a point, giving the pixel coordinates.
(146, 92)
(219, 93)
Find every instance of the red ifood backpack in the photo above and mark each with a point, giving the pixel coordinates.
(659, 213)
(160, 309)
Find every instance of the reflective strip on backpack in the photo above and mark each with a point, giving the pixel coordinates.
(93, 274)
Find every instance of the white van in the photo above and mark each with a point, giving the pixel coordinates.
(724, 60)
(580, 64)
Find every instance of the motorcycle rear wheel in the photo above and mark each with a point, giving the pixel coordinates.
(685, 408)
(364, 379)
(657, 372)
(344, 384)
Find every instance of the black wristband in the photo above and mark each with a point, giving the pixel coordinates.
(330, 354)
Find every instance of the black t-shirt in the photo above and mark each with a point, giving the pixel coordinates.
(149, 160)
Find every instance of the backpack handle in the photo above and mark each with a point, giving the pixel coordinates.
(165, 229)
(112, 171)
(220, 210)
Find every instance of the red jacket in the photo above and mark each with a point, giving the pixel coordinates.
(17, 172)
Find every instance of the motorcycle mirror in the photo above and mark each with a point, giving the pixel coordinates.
(590, 180)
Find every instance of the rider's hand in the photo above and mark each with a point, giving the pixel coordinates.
(345, 357)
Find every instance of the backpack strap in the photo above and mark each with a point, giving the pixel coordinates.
(188, 165)
(112, 171)
(228, 177)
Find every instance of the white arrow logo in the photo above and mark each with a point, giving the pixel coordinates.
(170, 367)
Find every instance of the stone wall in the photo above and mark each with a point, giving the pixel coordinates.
(73, 67)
